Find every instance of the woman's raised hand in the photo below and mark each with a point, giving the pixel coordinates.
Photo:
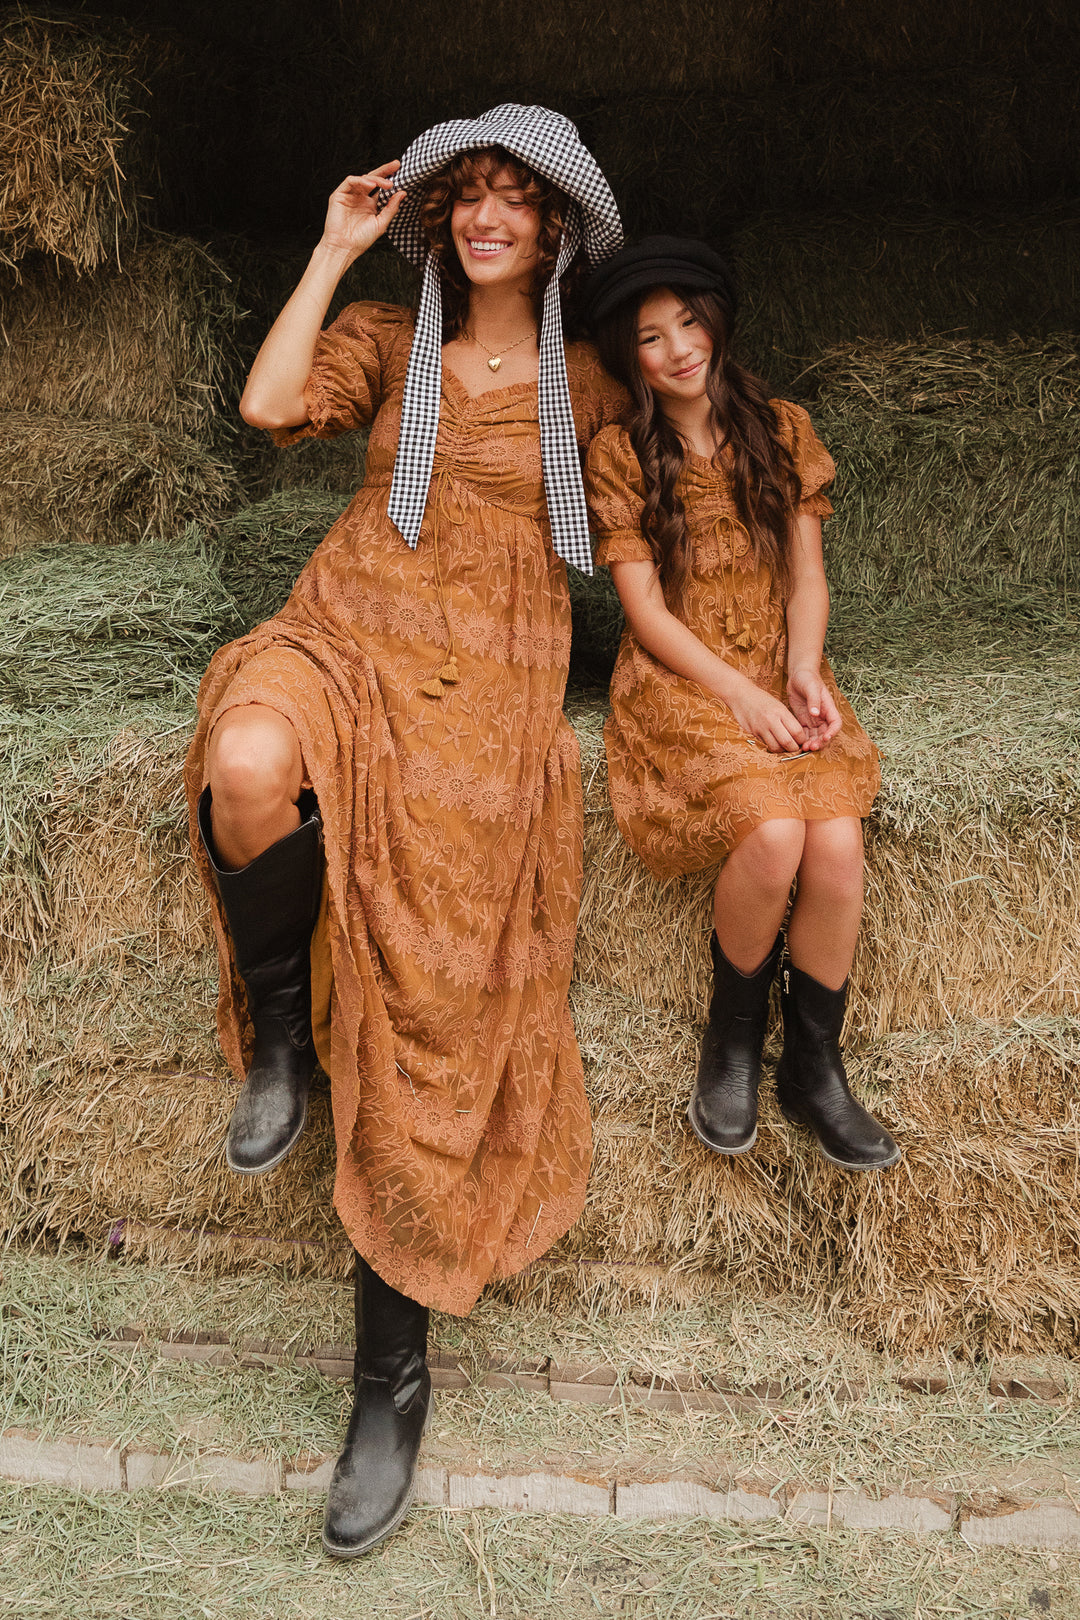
(353, 219)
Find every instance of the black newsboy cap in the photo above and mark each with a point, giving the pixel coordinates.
(656, 261)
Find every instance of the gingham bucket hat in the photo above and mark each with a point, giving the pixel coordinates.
(550, 144)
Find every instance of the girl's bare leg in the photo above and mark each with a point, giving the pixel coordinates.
(753, 888)
(825, 917)
(256, 775)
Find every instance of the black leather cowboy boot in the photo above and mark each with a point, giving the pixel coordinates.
(271, 906)
(723, 1107)
(372, 1486)
(811, 1086)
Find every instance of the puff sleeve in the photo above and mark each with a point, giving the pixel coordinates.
(615, 492)
(813, 462)
(348, 373)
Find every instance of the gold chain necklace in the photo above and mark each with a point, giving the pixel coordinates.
(496, 360)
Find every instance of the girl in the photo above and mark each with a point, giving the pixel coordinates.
(393, 742)
(728, 739)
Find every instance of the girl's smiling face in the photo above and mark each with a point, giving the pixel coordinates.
(495, 230)
(673, 347)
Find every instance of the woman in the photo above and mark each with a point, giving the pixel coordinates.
(404, 709)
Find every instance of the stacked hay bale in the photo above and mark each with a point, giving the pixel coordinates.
(117, 342)
(953, 560)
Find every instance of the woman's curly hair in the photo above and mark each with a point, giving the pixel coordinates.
(440, 194)
(765, 483)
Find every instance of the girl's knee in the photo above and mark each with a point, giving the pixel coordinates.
(254, 755)
(833, 853)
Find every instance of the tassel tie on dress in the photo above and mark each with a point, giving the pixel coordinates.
(736, 630)
(448, 675)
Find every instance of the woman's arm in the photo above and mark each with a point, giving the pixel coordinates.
(670, 641)
(274, 395)
(807, 620)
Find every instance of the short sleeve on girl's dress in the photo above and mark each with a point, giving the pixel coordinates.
(615, 492)
(348, 374)
(813, 462)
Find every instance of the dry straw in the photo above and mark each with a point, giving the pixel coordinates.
(74, 154)
(95, 480)
(153, 342)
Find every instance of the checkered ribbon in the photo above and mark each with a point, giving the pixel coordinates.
(550, 144)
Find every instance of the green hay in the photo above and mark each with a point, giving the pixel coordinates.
(67, 478)
(160, 1556)
(260, 550)
(73, 151)
(105, 625)
(153, 342)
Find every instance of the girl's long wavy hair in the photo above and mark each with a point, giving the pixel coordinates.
(442, 191)
(765, 484)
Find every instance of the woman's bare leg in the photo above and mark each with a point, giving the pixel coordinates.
(256, 776)
(824, 922)
(752, 891)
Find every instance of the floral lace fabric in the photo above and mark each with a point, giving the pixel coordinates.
(686, 783)
(441, 966)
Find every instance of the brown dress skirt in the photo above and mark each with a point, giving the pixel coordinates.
(442, 962)
(686, 782)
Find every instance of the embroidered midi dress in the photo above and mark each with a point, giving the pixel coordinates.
(686, 783)
(441, 964)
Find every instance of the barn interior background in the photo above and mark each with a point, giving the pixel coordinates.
(898, 185)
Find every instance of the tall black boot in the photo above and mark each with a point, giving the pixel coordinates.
(723, 1107)
(372, 1486)
(271, 906)
(811, 1086)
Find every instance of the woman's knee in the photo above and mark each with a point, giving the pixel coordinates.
(254, 756)
(773, 851)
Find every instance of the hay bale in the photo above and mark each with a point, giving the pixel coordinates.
(70, 478)
(812, 280)
(973, 847)
(112, 1091)
(153, 342)
(260, 550)
(957, 461)
(74, 154)
(974, 1240)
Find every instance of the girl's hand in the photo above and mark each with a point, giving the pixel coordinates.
(762, 716)
(814, 706)
(352, 222)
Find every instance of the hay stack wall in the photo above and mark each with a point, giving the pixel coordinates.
(897, 193)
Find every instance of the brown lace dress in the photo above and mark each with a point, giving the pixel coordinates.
(686, 783)
(453, 826)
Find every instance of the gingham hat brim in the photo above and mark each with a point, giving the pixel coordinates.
(545, 140)
(549, 144)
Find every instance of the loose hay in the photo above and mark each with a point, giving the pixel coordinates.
(153, 342)
(68, 478)
(74, 155)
